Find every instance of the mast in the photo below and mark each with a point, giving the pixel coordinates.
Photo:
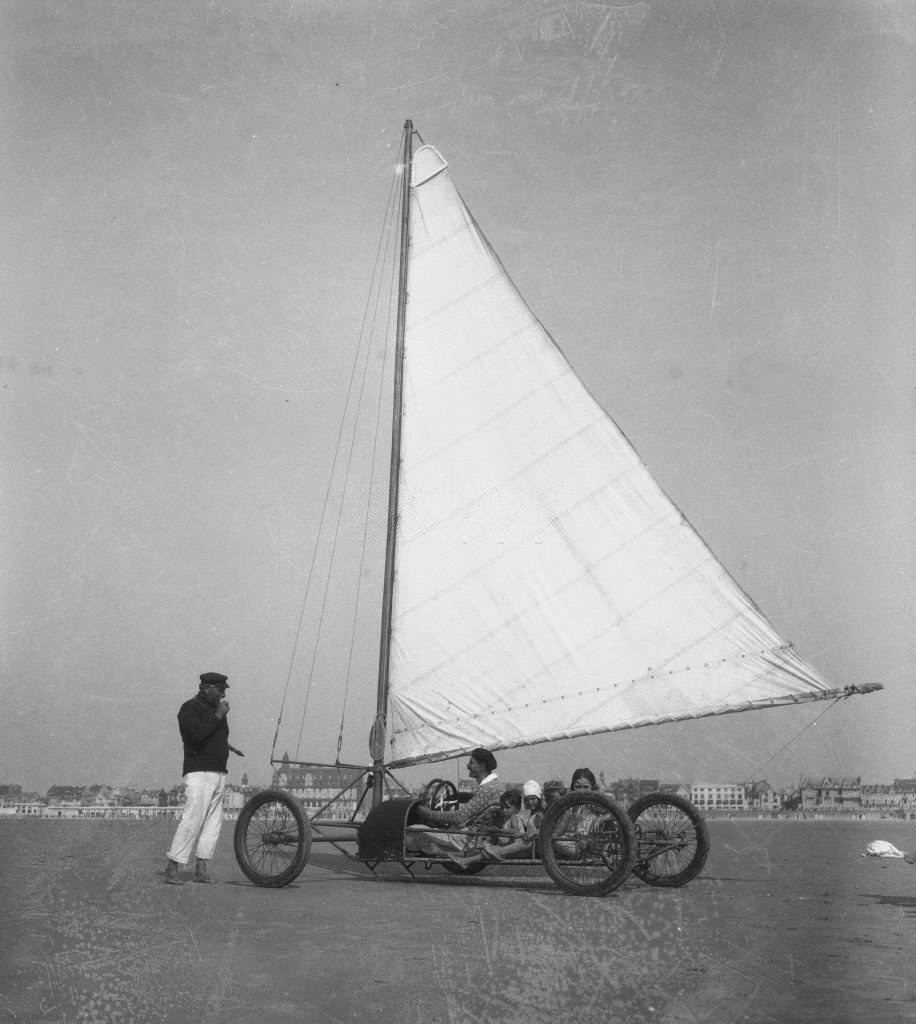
(377, 734)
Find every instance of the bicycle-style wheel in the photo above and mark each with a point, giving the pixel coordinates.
(587, 843)
(672, 842)
(272, 839)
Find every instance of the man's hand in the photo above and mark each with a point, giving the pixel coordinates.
(222, 709)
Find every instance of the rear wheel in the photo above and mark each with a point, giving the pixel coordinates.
(587, 843)
(272, 839)
(672, 842)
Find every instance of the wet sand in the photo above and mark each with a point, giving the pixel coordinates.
(788, 923)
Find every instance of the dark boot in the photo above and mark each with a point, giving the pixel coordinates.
(202, 871)
(171, 873)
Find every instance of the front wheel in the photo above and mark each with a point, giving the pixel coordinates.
(672, 842)
(587, 843)
(272, 839)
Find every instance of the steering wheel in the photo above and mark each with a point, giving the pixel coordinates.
(440, 795)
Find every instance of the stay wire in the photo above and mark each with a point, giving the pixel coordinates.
(801, 731)
(370, 493)
(361, 352)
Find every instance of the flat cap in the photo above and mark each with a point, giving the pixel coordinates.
(214, 679)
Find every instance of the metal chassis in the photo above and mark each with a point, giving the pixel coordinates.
(338, 832)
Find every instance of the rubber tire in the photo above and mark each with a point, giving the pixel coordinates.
(554, 866)
(470, 869)
(262, 815)
(642, 868)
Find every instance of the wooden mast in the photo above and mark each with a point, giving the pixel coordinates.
(377, 736)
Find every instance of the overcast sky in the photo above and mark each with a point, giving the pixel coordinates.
(708, 204)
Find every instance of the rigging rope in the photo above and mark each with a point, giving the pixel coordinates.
(389, 318)
(792, 739)
(363, 348)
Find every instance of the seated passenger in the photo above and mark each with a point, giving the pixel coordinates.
(583, 779)
(553, 790)
(577, 821)
(510, 803)
(519, 832)
(467, 822)
(526, 823)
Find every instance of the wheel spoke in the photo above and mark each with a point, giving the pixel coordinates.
(272, 840)
(672, 843)
(587, 844)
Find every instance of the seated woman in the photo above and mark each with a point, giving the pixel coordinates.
(578, 820)
(583, 779)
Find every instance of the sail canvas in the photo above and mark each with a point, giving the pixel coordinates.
(544, 586)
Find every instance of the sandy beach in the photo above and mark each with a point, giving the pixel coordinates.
(788, 923)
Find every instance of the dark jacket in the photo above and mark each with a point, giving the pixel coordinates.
(205, 737)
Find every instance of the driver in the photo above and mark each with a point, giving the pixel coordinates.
(473, 816)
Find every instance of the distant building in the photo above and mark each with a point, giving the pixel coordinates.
(65, 796)
(322, 791)
(719, 796)
(842, 795)
(884, 800)
(761, 797)
(334, 793)
(626, 791)
(10, 795)
(894, 800)
(906, 787)
(98, 795)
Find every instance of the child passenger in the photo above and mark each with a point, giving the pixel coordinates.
(517, 836)
(525, 825)
(510, 804)
(553, 790)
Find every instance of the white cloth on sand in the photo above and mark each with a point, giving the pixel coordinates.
(882, 848)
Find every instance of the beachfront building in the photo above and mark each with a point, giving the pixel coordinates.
(10, 795)
(318, 787)
(99, 795)
(831, 796)
(906, 797)
(719, 796)
(63, 798)
(14, 802)
(761, 797)
(891, 800)
(882, 800)
(626, 791)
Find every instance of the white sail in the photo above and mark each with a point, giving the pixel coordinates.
(545, 586)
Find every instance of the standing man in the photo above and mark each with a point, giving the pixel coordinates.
(202, 722)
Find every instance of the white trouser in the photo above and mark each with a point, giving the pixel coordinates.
(423, 839)
(201, 817)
